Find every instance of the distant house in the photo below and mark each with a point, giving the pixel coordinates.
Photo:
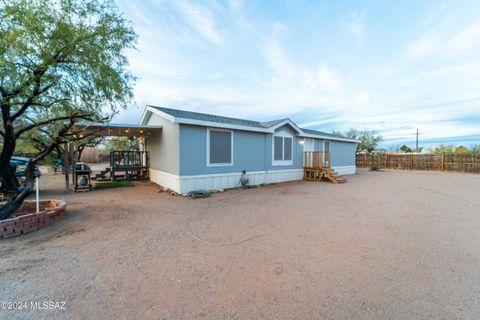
(197, 151)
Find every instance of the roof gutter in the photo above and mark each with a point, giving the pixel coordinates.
(239, 127)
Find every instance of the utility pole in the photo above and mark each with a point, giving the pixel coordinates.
(416, 147)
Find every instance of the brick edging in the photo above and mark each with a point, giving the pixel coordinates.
(52, 210)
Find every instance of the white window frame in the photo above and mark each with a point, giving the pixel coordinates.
(208, 149)
(283, 135)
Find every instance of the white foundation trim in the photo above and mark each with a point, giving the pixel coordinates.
(165, 179)
(345, 170)
(185, 184)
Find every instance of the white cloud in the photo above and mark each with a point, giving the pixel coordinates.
(361, 98)
(356, 27)
(202, 20)
(323, 78)
(280, 70)
(439, 45)
(465, 40)
(424, 47)
(277, 59)
(237, 9)
(289, 75)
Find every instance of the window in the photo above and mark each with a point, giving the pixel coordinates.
(282, 149)
(219, 147)
(278, 148)
(287, 155)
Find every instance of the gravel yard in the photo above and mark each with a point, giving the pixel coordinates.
(385, 245)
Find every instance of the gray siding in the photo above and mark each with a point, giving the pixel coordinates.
(342, 153)
(252, 151)
(163, 146)
(248, 151)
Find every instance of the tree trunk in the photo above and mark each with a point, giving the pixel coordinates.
(7, 175)
(80, 151)
(16, 201)
(66, 167)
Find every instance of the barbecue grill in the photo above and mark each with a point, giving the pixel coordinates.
(83, 180)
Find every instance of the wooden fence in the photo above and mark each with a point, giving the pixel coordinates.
(440, 162)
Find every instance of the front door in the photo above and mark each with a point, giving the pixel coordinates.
(308, 146)
(326, 151)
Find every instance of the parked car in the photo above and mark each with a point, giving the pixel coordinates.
(19, 164)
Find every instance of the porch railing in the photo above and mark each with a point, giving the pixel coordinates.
(128, 159)
(316, 159)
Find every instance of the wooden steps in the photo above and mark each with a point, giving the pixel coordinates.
(326, 174)
(316, 167)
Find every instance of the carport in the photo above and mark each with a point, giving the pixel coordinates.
(124, 164)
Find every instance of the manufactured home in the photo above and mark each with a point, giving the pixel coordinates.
(197, 151)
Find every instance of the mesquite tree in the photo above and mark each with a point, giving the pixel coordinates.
(61, 61)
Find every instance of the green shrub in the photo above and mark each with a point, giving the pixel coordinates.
(374, 167)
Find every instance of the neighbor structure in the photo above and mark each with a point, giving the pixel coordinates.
(196, 151)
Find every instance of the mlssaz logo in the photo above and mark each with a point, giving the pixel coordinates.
(47, 305)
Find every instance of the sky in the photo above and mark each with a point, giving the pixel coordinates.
(389, 66)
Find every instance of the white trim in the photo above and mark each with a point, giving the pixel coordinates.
(157, 112)
(318, 136)
(144, 115)
(283, 135)
(345, 170)
(187, 183)
(286, 121)
(301, 133)
(255, 129)
(220, 125)
(208, 149)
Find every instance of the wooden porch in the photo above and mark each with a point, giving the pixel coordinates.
(316, 167)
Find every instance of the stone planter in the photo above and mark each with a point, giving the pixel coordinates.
(25, 220)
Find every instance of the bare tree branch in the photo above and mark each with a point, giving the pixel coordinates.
(49, 121)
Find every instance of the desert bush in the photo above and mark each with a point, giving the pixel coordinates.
(374, 167)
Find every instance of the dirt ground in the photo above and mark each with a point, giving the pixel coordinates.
(385, 245)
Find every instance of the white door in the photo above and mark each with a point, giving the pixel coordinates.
(308, 145)
(326, 150)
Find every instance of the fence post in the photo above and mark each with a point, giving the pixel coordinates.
(443, 162)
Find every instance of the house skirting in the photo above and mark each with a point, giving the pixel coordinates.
(185, 184)
(345, 170)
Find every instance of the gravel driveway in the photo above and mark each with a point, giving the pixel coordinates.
(385, 245)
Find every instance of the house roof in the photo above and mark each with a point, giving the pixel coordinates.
(214, 118)
(183, 116)
(311, 131)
